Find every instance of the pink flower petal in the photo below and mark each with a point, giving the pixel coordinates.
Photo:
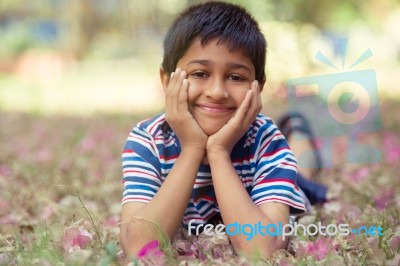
(4, 170)
(112, 221)
(320, 248)
(68, 239)
(150, 248)
(75, 238)
(384, 198)
(360, 175)
(84, 232)
(81, 241)
(183, 247)
(8, 219)
(395, 243)
(47, 212)
(4, 206)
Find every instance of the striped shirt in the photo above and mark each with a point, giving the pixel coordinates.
(261, 158)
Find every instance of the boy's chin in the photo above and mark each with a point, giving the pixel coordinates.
(211, 129)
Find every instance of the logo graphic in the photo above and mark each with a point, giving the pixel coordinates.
(339, 105)
(283, 230)
(346, 95)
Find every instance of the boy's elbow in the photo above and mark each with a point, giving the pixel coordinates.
(130, 243)
(132, 238)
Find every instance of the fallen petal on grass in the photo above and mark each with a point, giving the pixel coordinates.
(43, 222)
(75, 239)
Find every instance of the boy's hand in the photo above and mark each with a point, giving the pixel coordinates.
(229, 134)
(177, 114)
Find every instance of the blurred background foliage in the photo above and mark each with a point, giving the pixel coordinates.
(90, 56)
(76, 75)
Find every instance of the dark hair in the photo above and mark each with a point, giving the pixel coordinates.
(230, 24)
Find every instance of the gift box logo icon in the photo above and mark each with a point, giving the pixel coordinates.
(342, 104)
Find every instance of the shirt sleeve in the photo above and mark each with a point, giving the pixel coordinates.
(140, 167)
(276, 171)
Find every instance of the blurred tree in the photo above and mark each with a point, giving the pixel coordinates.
(327, 14)
(87, 25)
(78, 24)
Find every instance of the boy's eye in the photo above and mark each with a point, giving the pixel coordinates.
(199, 74)
(236, 78)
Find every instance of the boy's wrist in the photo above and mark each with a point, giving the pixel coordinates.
(217, 154)
(194, 150)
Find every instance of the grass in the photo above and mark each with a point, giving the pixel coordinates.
(61, 175)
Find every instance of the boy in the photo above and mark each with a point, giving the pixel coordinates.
(211, 152)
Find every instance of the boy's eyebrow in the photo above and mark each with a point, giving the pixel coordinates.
(236, 65)
(198, 61)
(208, 62)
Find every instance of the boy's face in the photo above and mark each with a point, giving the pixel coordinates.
(218, 82)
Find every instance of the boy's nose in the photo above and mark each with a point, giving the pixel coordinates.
(216, 90)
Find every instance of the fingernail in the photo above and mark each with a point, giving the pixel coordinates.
(178, 70)
(256, 85)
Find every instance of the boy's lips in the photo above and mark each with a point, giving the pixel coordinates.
(215, 108)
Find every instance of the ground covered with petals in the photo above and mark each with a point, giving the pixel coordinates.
(60, 183)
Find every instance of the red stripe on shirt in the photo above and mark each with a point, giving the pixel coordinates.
(268, 142)
(156, 123)
(168, 158)
(282, 200)
(278, 180)
(135, 198)
(198, 218)
(289, 164)
(140, 172)
(274, 152)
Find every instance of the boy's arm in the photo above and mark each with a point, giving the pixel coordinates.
(236, 206)
(169, 204)
(166, 208)
(234, 202)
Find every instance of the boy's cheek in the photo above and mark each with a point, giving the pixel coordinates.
(192, 93)
(240, 95)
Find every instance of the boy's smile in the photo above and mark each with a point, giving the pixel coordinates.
(218, 82)
(214, 108)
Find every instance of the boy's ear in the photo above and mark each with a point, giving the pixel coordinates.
(164, 77)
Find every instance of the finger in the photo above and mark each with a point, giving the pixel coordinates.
(183, 95)
(169, 93)
(172, 80)
(178, 90)
(242, 110)
(174, 89)
(254, 108)
(251, 111)
(178, 79)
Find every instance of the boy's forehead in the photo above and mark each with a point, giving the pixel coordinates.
(217, 42)
(202, 50)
